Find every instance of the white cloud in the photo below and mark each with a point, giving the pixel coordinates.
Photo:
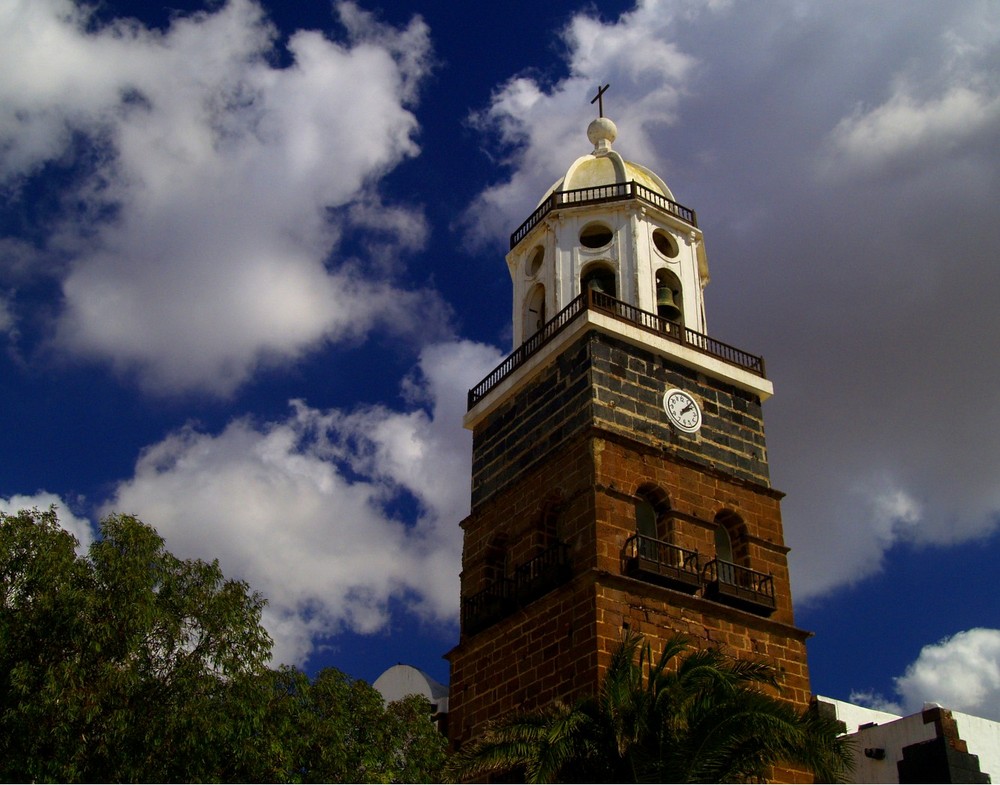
(877, 701)
(536, 126)
(199, 244)
(302, 508)
(943, 103)
(80, 528)
(961, 672)
(905, 127)
(854, 247)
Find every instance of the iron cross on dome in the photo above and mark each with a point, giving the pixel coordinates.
(599, 98)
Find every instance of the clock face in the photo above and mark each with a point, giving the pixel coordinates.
(683, 410)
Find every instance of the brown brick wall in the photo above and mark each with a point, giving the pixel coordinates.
(559, 462)
(530, 659)
(696, 496)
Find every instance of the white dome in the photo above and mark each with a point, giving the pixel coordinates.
(604, 166)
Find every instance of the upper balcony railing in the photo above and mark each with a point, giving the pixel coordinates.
(531, 580)
(592, 299)
(616, 192)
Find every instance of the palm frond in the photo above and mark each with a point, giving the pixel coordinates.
(709, 718)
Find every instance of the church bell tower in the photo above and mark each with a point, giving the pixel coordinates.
(620, 477)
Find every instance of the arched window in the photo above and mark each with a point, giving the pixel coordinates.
(723, 544)
(534, 311)
(545, 530)
(601, 278)
(645, 519)
(731, 538)
(652, 512)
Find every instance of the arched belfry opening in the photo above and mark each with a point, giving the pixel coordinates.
(599, 277)
(534, 311)
(669, 296)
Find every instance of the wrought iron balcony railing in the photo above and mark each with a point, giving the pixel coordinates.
(616, 192)
(739, 586)
(665, 564)
(592, 299)
(661, 562)
(531, 580)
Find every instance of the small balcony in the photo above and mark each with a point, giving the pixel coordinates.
(738, 586)
(660, 562)
(531, 580)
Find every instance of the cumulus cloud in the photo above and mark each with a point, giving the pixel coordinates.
(207, 188)
(904, 127)
(935, 107)
(961, 672)
(843, 164)
(535, 125)
(81, 528)
(307, 509)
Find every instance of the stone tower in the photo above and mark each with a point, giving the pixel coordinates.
(620, 476)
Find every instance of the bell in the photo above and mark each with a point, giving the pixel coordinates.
(665, 305)
(594, 284)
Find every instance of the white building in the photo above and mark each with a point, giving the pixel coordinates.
(401, 680)
(934, 745)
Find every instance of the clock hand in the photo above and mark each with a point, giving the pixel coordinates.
(687, 408)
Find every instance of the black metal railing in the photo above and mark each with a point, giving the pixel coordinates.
(622, 311)
(740, 586)
(485, 607)
(616, 192)
(517, 358)
(661, 562)
(531, 580)
(544, 572)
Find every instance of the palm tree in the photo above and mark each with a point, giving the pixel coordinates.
(709, 719)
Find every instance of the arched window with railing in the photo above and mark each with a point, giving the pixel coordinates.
(651, 553)
(729, 577)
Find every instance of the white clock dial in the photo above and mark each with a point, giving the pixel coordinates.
(682, 410)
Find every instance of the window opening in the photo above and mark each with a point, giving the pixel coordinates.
(665, 243)
(535, 263)
(534, 311)
(595, 236)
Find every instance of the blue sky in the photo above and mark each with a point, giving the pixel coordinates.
(251, 259)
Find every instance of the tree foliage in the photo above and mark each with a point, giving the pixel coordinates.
(132, 665)
(704, 718)
(337, 729)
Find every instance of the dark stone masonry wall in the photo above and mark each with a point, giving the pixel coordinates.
(603, 382)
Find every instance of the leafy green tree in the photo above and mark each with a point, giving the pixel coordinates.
(418, 747)
(707, 718)
(132, 665)
(337, 729)
(128, 665)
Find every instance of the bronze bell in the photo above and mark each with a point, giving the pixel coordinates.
(665, 305)
(594, 284)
